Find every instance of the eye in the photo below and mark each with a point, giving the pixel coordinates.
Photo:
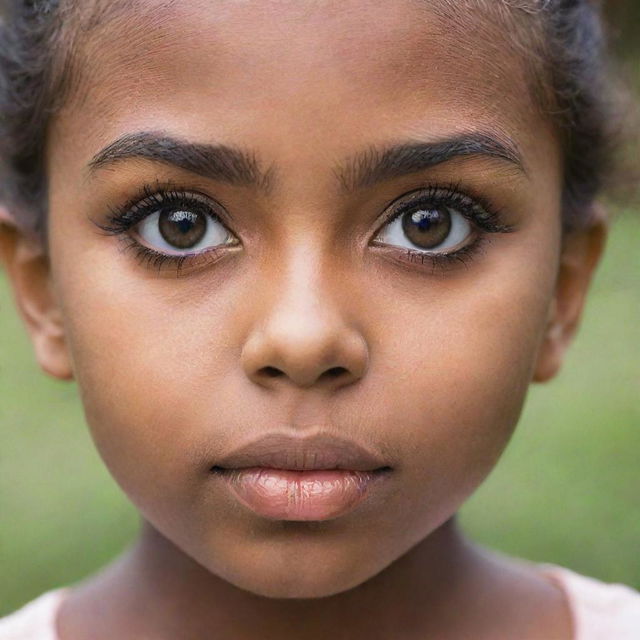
(428, 224)
(182, 228)
(167, 227)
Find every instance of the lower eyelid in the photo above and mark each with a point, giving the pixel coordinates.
(176, 263)
(442, 262)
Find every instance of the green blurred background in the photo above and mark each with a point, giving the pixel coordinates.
(567, 490)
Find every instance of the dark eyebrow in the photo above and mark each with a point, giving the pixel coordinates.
(240, 167)
(217, 162)
(376, 165)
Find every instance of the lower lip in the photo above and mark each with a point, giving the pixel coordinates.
(282, 494)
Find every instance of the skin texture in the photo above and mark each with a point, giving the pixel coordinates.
(436, 360)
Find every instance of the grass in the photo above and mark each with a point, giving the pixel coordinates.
(566, 490)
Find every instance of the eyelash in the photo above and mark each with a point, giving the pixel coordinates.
(122, 219)
(482, 214)
(477, 210)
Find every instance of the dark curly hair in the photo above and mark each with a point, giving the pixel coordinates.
(564, 41)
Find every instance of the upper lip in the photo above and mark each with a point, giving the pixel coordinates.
(318, 451)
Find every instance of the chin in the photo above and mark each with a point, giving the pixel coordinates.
(297, 568)
(313, 585)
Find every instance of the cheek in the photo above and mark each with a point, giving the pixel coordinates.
(453, 380)
(153, 373)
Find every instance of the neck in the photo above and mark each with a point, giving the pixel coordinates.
(158, 588)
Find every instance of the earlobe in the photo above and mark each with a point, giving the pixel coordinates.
(28, 269)
(581, 253)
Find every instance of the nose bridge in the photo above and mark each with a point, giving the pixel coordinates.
(303, 334)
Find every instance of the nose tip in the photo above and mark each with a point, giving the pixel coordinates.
(310, 357)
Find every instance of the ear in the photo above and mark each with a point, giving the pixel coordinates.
(581, 253)
(27, 266)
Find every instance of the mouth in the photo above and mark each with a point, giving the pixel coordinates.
(285, 477)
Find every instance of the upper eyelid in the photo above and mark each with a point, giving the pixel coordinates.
(143, 203)
(178, 194)
(441, 193)
(447, 194)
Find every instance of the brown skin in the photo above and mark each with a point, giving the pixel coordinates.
(171, 370)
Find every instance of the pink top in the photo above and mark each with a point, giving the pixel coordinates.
(600, 611)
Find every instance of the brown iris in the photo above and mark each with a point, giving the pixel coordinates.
(427, 228)
(182, 229)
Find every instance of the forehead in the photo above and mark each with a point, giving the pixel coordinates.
(352, 67)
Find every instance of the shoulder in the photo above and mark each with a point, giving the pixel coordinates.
(600, 611)
(34, 621)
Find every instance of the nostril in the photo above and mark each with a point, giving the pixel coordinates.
(334, 372)
(272, 372)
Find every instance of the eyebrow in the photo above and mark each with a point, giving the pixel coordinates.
(377, 165)
(240, 167)
(218, 162)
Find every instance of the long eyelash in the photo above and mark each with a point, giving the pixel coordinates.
(123, 218)
(476, 209)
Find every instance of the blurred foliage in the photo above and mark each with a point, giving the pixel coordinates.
(565, 492)
(624, 18)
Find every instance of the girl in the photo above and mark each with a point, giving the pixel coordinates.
(304, 260)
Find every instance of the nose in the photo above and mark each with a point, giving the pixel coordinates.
(302, 337)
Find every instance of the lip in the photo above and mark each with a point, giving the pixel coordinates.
(302, 453)
(286, 477)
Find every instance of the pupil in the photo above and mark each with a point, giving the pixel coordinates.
(182, 229)
(427, 228)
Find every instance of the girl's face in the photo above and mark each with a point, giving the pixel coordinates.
(305, 128)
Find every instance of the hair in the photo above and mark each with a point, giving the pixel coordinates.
(37, 47)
